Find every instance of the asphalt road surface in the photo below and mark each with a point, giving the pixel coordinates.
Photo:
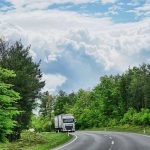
(96, 140)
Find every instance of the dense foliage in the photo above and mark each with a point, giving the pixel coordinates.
(116, 100)
(27, 81)
(8, 98)
(44, 122)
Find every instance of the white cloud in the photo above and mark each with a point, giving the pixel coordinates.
(44, 28)
(51, 33)
(133, 3)
(40, 4)
(142, 10)
(52, 57)
(117, 46)
(53, 21)
(53, 81)
(108, 1)
(114, 9)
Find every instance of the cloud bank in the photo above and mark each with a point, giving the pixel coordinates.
(76, 49)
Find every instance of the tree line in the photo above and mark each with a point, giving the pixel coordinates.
(116, 100)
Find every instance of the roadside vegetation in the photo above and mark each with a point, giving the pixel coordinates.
(37, 141)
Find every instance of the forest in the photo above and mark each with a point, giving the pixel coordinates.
(121, 99)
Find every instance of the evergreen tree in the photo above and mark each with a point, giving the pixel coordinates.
(27, 82)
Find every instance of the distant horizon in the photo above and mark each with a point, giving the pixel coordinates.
(78, 41)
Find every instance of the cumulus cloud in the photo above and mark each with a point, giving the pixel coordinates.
(46, 30)
(100, 38)
(74, 51)
(53, 81)
(116, 47)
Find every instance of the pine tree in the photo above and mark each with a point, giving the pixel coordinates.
(27, 82)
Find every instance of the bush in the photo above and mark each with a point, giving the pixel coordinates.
(133, 117)
(42, 124)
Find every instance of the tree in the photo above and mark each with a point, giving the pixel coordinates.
(138, 87)
(145, 73)
(46, 106)
(60, 102)
(46, 111)
(85, 110)
(27, 82)
(117, 99)
(8, 98)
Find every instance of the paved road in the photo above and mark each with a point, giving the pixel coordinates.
(96, 140)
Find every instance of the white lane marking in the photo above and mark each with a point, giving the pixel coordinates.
(110, 137)
(67, 143)
(112, 142)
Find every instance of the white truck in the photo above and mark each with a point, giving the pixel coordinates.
(64, 123)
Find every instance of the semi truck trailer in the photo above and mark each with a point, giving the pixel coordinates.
(64, 123)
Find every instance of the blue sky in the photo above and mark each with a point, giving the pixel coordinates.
(79, 41)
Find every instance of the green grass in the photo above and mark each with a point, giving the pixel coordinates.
(37, 141)
(125, 128)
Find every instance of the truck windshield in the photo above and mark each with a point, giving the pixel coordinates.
(69, 120)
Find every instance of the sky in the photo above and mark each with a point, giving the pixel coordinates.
(78, 41)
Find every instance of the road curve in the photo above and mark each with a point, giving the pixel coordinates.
(96, 140)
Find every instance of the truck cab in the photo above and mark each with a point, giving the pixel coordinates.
(65, 123)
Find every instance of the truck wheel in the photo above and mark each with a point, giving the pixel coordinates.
(60, 130)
